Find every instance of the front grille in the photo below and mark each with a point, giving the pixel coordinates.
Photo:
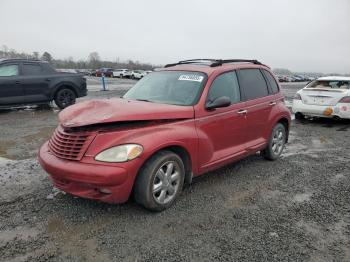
(68, 144)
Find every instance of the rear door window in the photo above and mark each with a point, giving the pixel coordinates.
(9, 70)
(253, 83)
(32, 70)
(225, 85)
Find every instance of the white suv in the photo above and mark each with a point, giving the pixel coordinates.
(121, 73)
(138, 74)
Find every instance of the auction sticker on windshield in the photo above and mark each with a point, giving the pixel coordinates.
(195, 78)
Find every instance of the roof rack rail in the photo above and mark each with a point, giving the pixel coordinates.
(216, 62)
(19, 59)
(220, 62)
(191, 61)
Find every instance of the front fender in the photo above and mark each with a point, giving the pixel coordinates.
(153, 138)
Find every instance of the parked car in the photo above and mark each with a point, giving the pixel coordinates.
(107, 72)
(138, 74)
(180, 122)
(297, 78)
(301, 78)
(289, 78)
(93, 72)
(85, 72)
(281, 78)
(285, 78)
(25, 82)
(121, 73)
(324, 97)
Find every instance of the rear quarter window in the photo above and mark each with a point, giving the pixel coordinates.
(272, 82)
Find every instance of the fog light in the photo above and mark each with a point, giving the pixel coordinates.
(328, 111)
(105, 190)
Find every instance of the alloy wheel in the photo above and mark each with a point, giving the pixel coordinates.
(166, 182)
(66, 97)
(278, 141)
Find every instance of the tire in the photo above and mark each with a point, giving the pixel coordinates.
(65, 97)
(276, 142)
(160, 181)
(299, 116)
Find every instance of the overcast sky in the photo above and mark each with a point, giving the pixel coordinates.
(302, 35)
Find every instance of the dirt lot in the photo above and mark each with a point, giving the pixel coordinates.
(293, 209)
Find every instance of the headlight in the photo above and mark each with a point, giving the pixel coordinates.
(120, 153)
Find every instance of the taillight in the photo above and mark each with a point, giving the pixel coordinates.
(345, 99)
(297, 96)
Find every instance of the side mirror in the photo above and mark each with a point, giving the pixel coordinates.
(222, 101)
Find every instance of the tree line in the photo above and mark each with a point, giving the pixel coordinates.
(93, 60)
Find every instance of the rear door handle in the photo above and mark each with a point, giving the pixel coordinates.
(48, 79)
(242, 112)
(272, 103)
(17, 82)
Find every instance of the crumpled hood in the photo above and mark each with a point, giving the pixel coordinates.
(116, 110)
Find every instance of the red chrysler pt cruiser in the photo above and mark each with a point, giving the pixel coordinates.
(174, 124)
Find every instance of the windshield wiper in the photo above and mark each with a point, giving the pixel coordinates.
(144, 100)
(137, 99)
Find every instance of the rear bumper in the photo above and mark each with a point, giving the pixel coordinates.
(341, 110)
(86, 180)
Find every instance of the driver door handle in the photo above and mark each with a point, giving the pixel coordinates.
(272, 103)
(242, 112)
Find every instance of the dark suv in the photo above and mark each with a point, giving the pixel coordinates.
(36, 82)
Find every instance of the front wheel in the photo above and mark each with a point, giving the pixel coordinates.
(276, 142)
(160, 181)
(65, 97)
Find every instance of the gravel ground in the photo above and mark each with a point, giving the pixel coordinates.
(293, 209)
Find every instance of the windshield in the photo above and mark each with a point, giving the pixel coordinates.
(169, 87)
(335, 84)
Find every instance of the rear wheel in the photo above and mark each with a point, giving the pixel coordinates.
(65, 97)
(276, 143)
(160, 181)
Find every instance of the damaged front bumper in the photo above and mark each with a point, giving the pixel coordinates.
(106, 183)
